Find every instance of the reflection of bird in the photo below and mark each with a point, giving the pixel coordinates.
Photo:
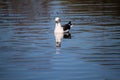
(67, 35)
(61, 31)
(58, 38)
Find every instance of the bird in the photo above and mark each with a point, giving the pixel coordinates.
(60, 30)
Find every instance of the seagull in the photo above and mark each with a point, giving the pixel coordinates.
(60, 30)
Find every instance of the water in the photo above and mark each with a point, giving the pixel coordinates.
(27, 42)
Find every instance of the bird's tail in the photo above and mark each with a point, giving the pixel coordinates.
(71, 25)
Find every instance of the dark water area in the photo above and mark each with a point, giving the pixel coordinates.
(27, 43)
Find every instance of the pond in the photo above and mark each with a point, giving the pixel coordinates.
(27, 43)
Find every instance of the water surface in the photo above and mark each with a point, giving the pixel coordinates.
(27, 42)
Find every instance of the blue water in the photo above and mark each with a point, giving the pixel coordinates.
(27, 44)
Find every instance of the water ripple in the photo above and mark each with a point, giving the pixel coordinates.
(27, 43)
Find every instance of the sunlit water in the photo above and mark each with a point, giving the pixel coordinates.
(27, 43)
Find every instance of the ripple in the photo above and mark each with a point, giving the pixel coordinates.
(27, 44)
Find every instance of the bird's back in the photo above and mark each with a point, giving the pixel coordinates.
(67, 26)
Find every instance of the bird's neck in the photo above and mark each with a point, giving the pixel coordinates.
(58, 24)
(58, 28)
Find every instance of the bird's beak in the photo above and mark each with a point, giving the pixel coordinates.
(56, 21)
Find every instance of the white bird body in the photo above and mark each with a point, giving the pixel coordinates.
(58, 27)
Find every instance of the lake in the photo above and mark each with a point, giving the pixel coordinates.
(27, 43)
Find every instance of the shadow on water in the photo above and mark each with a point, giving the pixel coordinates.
(27, 44)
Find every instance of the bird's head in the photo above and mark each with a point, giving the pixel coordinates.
(57, 19)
